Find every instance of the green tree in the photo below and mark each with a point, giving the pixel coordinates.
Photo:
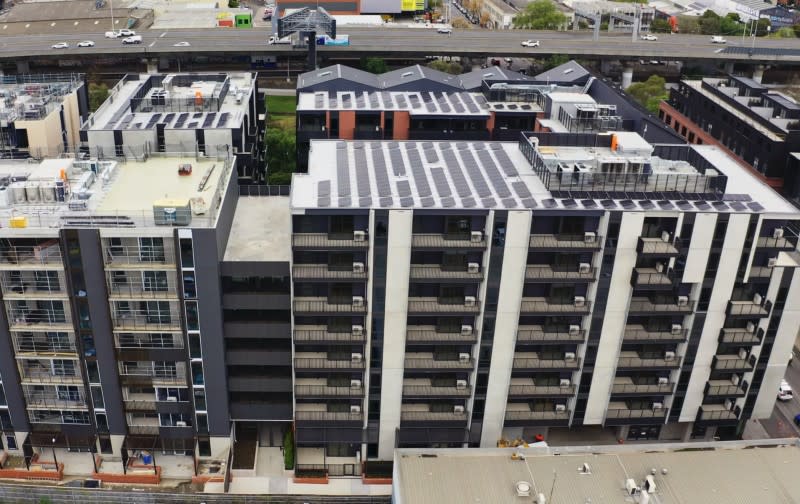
(796, 29)
(443, 66)
(374, 65)
(288, 450)
(785, 32)
(688, 24)
(281, 155)
(763, 27)
(540, 15)
(660, 26)
(233, 4)
(555, 60)
(98, 93)
(649, 93)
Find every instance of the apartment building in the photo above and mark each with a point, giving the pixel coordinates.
(470, 293)
(757, 125)
(192, 113)
(105, 272)
(41, 115)
(418, 103)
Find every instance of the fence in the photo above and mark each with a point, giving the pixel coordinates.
(59, 495)
(264, 190)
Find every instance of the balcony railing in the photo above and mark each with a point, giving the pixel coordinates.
(324, 272)
(139, 257)
(658, 247)
(434, 364)
(552, 274)
(537, 415)
(651, 278)
(438, 272)
(440, 241)
(646, 388)
(158, 321)
(328, 241)
(645, 306)
(546, 306)
(432, 416)
(46, 401)
(328, 305)
(565, 242)
(38, 343)
(326, 391)
(322, 334)
(443, 305)
(526, 364)
(429, 334)
(623, 413)
(732, 363)
(140, 405)
(716, 412)
(774, 243)
(21, 320)
(329, 416)
(540, 390)
(323, 363)
(740, 336)
(29, 286)
(431, 391)
(47, 255)
(748, 308)
(636, 362)
(136, 289)
(724, 388)
(641, 334)
(143, 430)
(544, 334)
(38, 375)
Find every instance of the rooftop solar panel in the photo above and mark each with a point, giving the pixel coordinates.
(493, 173)
(509, 202)
(488, 202)
(456, 175)
(468, 202)
(324, 188)
(609, 204)
(702, 205)
(209, 119)
(223, 119)
(398, 166)
(413, 99)
(192, 125)
(756, 207)
(719, 205)
(324, 201)
(440, 181)
(343, 177)
(344, 202)
(404, 188)
(386, 202)
(448, 202)
(627, 204)
(401, 101)
(474, 173)
(362, 172)
(505, 162)
(418, 172)
(529, 203)
(738, 206)
(181, 119)
(683, 205)
(168, 118)
(427, 202)
(549, 203)
(589, 203)
(381, 175)
(154, 119)
(521, 189)
(406, 202)
(646, 204)
(365, 202)
(665, 205)
(197, 115)
(569, 203)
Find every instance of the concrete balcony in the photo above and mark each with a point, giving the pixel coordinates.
(724, 388)
(556, 242)
(632, 360)
(423, 388)
(619, 411)
(544, 273)
(38, 319)
(652, 279)
(748, 309)
(46, 255)
(437, 272)
(549, 306)
(760, 272)
(156, 322)
(329, 241)
(53, 401)
(716, 412)
(437, 241)
(740, 336)
(529, 361)
(527, 389)
(430, 334)
(325, 272)
(322, 363)
(138, 257)
(768, 242)
(27, 284)
(140, 405)
(422, 363)
(658, 247)
(640, 334)
(37, 376)
(328, 416)
(443, 305)
(523, 417)
(320, 334)
(645, 306)
(732, 363)
(324, 391)
(321, 305)
(410, 415)
(624, 385)
(545, 335)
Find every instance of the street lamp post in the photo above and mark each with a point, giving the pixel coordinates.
(53, 447)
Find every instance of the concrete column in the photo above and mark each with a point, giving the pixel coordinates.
(710, 433)
(686, 436)
(152, 65)
(23, 67)
(605, 66)
(758, 73)
(622, 432)
(627, 75)
(729, 67)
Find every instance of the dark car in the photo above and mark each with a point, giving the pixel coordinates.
(797, 419)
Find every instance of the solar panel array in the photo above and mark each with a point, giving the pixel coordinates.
(429, 102)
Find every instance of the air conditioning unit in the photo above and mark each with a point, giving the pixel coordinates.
(589, 237)
(564, 383)
(676, 328)
(476, 236)
(461, 384)
(357, 330)
(663, 380)
(463, 357)
(569, 356)
(660, 267)
(355, 384)
(771, 262)
(683, 300)
(751, 327)
(574, 330)
(466, 330)
(356, 357)
(658, 405)
(580, 301)
(668, 356)
(728, 404)
(469, 300)
(584, 268)
(742, 353)
(458, 409)
(777, 233)
(358, 267)
(172, 399)
(735, 379)
(180, 423)
(358, 301)
(561, 408)
(649, 484)
(631, 487)
(757, 299)
(359, 236)
(354, 408)
(665, 236)
(473, 268)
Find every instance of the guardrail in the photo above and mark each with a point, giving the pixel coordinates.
(264, 190)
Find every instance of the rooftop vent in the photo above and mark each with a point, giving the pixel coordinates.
(569, 70)
(323, 74)
(523, 488)
(407, 74)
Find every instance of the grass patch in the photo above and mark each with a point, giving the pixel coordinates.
(281, 105)
(280, 139)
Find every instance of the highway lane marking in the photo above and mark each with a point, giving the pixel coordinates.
(152, 43)
(160, 36)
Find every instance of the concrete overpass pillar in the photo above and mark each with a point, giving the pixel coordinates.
(23, 67)
(729, 67)
(627, 75)
(605, 66)
(152, 65)
(758, 73)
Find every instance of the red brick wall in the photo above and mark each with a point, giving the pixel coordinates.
(402, 121)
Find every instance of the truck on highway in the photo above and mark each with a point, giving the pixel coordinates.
(340, 40)
(274, 39)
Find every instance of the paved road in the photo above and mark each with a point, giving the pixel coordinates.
(781, 423)
(402, 42)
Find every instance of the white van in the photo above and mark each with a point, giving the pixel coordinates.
(718, 39)
(136, 39)
(785, 391)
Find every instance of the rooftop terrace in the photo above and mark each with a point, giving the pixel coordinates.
(33, 97)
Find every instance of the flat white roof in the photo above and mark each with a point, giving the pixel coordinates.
(261, 230)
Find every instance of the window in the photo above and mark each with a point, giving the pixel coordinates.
(156, 312)
(151, 249)
(342, 224)
(200, 399)
(172, 394)
(187, 254)
(68, 393)
(192, 317)
(97, 397)
(63, 368)
(195, 351)
(341, 450)
(189, 286)
(11, 443)
(154, 281)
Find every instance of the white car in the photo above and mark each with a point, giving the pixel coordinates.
(718, 39)
(86, 43)
(530, 43)
(60, 45)
(126, 33)
(182, 44)
(112, 34)
(445, 30)
(649, 37)
(785, 391)
(136, 39)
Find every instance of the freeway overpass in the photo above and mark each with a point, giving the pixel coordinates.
(405, 43)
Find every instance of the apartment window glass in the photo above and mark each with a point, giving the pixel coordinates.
(11, 442)
(3, 401)
(157, 312)
(203, 445)
(5, 420)
(192, 317)
(197, 373)
(200, 399)
(93, 372)
(189, 286)
(63, 367)
(154, 281)
(97, 397)
(195, 351)
(68, 393)
(202, 423)
(151, 249)
(102, 421)
(187, 254)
